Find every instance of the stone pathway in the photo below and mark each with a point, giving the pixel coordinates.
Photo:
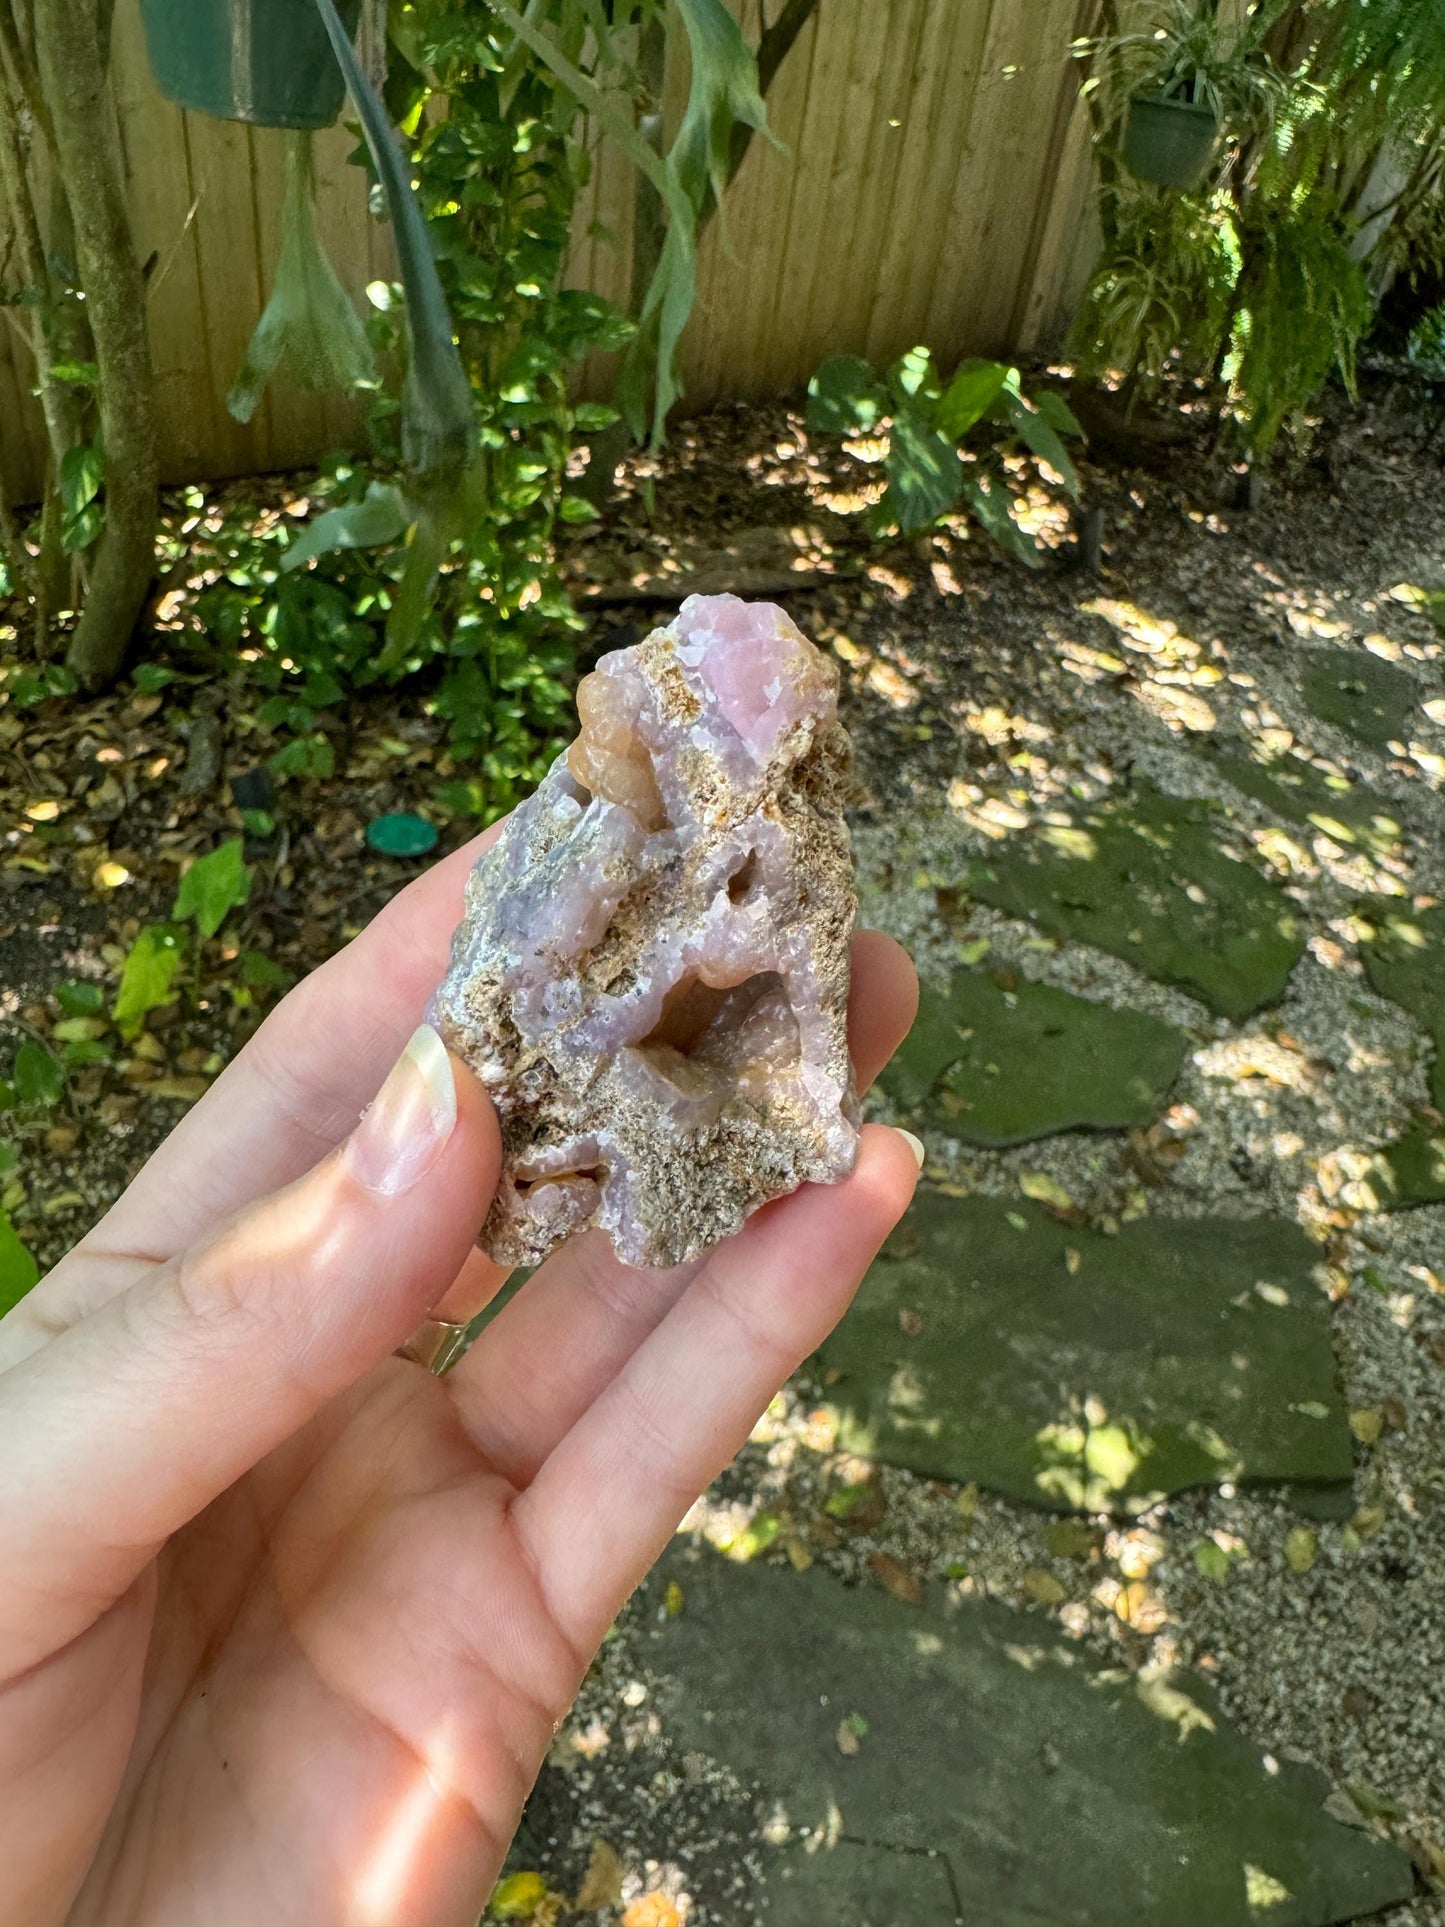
(1069, 1368)
(1177, 1153)
(913, 1766)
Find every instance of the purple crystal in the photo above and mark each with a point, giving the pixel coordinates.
(651, 975)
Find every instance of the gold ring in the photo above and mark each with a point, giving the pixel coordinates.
(435, 1345)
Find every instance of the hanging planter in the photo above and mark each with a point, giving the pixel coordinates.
(1171, 141)
(268, 62)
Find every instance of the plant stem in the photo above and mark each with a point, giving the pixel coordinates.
(73, 62)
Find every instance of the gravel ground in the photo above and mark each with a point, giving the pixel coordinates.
(980, 700)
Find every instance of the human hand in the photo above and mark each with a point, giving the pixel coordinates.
(288, 1623)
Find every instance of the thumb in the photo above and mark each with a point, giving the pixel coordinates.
(127, 1425)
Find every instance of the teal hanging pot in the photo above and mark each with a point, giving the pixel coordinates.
(268, 62)
(1171, 142)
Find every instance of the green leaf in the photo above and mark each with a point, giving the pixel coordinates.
(18, 1270)
(259, 972)
(844, 398)
(669, 297)
(82, 471)
(990, 505)
(151, 677)
(214, 885)
(382, 515)
(518, 1896)
(969, 396)
(591, 417)
(148, 978)
(37, 1075)
(85, 1050)
(437, 416)
(912, 374)
(79, 1000)
(1041, 438)
(308, 330)
(1211, 1560)
(307, 756)
(1052, 406)
(82, 374)
(924, 472)
(78, 534)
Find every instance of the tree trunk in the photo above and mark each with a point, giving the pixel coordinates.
(72, 57)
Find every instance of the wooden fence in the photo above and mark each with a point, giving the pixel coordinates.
(935, 184)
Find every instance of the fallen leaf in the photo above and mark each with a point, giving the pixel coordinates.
(518, 1896)
(1394, 1414)
(1042, 1587)
(184, 1090)
(900, 1581)
(1043, 1189)
(1368, 1520)
(1300, 1548)
(1366, 1425)
(602, 1882)
(910, 1322)
(851, 1731)
(1070, 1539)
(673, 1599)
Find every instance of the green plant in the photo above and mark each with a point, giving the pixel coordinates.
(916, 424)
(81, 283)
(1328, 183)
(1189, 52)
(1163, 295)
(1301, 306)
(213, 886)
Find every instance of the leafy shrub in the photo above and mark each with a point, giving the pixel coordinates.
(920, 422)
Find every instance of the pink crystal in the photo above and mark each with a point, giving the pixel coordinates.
(651, 975)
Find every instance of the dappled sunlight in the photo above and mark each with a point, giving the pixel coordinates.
(1156, 1692)
(1263, 1892)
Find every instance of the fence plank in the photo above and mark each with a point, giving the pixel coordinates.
(935, 186)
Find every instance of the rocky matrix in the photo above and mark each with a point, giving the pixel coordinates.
(651, 975)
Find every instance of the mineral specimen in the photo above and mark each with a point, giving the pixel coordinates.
(651, 975)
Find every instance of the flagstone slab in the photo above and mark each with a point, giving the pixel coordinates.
(1000, 1060)
(1368, 698)
(1057, 1793)
(1349, 812)
(1069, 1369)
(1405, 961)
(1411, 1170)
(1146, 877)
(848, 1884)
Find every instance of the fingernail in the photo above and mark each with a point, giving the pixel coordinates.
(402, 1134)
(915, 1145)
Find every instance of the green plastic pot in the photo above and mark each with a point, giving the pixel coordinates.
(1170, 142)
(263, 61)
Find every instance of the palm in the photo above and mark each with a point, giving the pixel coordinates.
(351, 1604)
(291, 1628)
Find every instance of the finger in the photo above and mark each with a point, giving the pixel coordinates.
(604, 1504)
(126, 1426)
(587, 1313)
(297, 1087)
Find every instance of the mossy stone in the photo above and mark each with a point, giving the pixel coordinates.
(1147, 878)
(1368, 698)
(1078, 1371)
(999, 1060)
